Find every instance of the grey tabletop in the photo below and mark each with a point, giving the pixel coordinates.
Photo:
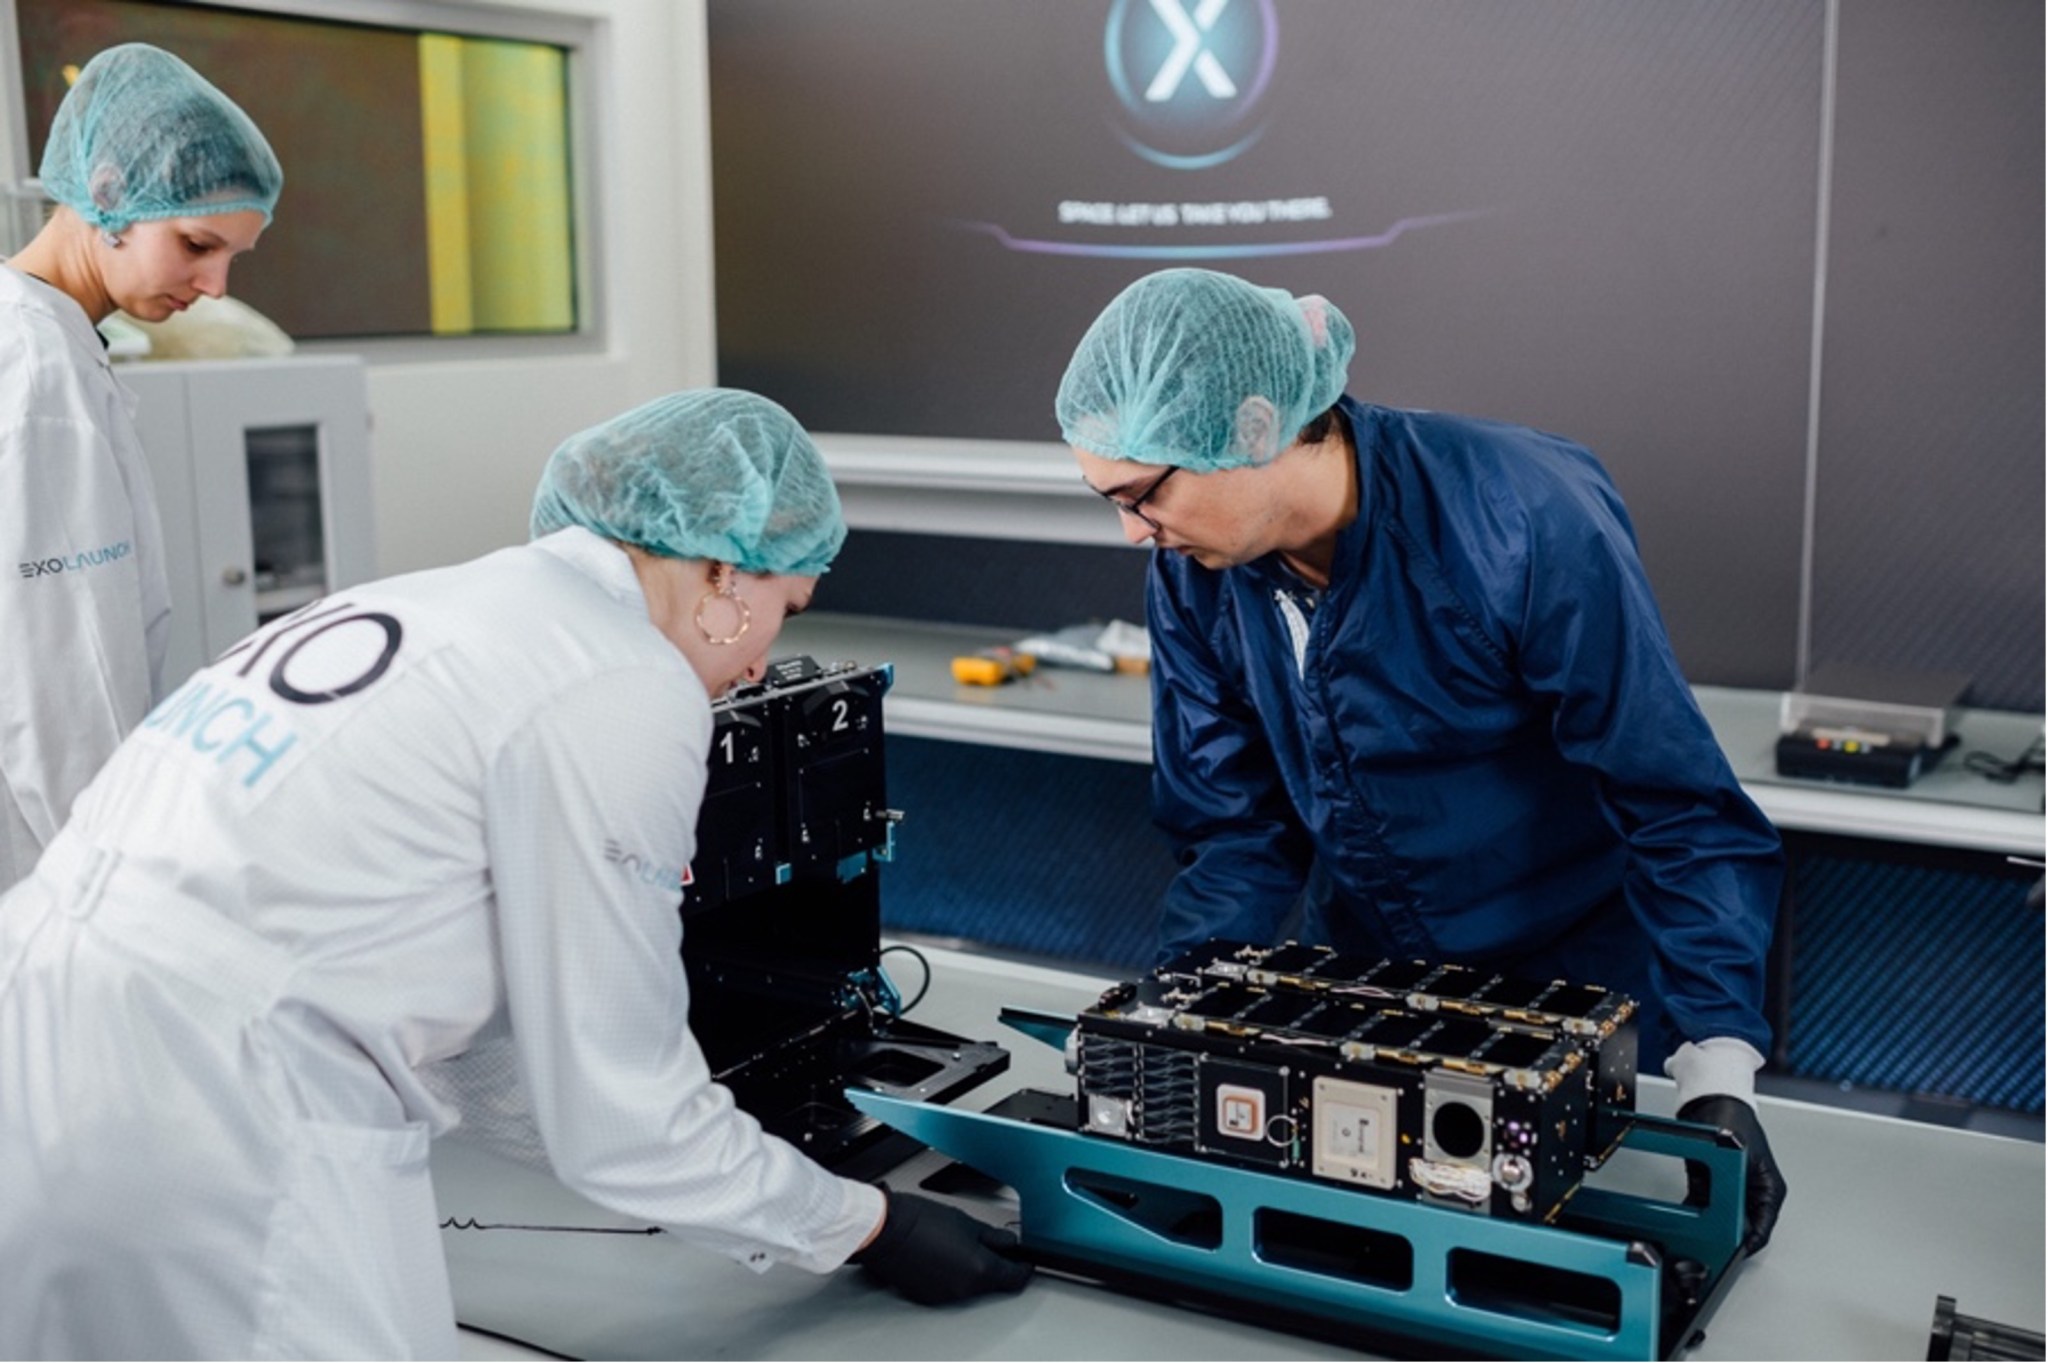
(1883, 1216)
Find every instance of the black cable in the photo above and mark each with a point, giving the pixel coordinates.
(922, 989)
(472, 1223)
(1994, 768)
(513, 1339)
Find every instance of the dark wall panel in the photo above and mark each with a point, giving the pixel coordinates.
(1011, 583)
(1928, 543)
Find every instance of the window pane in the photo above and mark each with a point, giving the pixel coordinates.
(428, 180)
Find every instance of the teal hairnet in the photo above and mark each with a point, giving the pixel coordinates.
(1203, 371)
(712, 473)
(141, 135)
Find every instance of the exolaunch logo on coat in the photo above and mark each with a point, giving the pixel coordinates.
(72, 563)
(324, 653)
(643, 869)
(233, 730)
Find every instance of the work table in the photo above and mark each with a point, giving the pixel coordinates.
(1883, 1216)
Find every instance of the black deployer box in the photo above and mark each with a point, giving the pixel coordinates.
(782, 920)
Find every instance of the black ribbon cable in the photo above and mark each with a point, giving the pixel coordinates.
(471, 1223)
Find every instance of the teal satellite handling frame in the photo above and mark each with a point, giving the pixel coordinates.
(1621, 1276)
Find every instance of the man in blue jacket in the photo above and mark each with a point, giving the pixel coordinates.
(1409, 675)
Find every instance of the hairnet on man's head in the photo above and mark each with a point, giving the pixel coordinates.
(711, 473)
(141, 135)
(1203, 371)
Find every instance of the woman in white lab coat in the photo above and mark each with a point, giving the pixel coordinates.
(410, 854)
(160, 181)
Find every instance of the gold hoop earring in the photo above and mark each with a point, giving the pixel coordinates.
(746, 615)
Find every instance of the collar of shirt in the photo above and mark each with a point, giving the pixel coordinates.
(598, 559)
(1273, 568)
(21, 289)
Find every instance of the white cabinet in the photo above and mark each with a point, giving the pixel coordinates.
(262, 472)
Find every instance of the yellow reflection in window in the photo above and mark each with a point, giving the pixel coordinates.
(495, 135)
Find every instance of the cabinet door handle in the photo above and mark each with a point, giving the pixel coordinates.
(234, 577)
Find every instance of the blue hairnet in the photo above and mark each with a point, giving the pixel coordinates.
(141, 135)
(1203, 371)
(712, 473)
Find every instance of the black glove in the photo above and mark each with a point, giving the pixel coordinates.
(934, 1254)
(1766, 1190)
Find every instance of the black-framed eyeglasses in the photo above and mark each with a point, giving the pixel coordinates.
(1130, 506)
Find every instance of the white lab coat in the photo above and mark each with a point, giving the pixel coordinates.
(85, 603)
(440, 816)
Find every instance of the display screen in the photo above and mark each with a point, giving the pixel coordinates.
(1530, 211)
(1594, 218)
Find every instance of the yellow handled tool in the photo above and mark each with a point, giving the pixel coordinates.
(992, 667)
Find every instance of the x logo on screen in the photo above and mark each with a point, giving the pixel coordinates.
(1189, 51)
(1190, 76)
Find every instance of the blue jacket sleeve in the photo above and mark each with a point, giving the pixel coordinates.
(1216, 791)
(1705, 865)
